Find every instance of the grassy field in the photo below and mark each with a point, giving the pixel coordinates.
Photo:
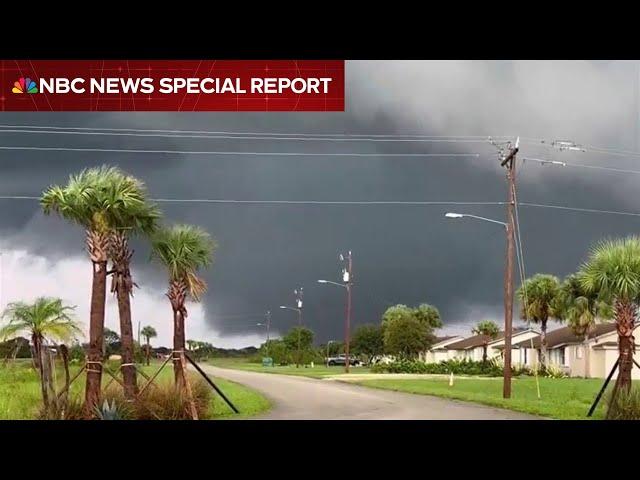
(318, 371)
(562, 398)
(20, 395)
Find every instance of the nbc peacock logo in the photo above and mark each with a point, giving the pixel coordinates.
(24, 85)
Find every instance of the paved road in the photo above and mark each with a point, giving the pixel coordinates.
(307, 398)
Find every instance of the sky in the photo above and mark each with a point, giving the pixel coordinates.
(408, 254)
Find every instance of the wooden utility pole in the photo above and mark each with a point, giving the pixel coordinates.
(509, 161)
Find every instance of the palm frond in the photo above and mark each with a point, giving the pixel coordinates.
(47, 317)
(184, 250)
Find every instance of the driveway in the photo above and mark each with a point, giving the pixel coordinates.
(298, 398)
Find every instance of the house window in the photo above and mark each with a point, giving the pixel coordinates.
(525, 355)
(561, 356)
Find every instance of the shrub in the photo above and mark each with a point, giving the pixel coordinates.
(163, 402)
(626, 405)
(551, 371)
(455, 366)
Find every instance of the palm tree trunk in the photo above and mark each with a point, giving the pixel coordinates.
(97, 246)
(148, 351)
(484, 353)
(67, 378)
(122, 285)
(625, 321)
(35, 353)
(587, 354)
(543, 344)
(177, 295)
(37, 347)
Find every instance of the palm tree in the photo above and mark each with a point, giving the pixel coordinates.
(138, 217)
(538, 300)
(490, 330)
(581, 310)
(148, 333)
(612, 272)
(46, 319)
(183, 250)
(191, 344)
(100, 200)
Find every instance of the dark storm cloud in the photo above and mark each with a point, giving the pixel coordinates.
(403, 254)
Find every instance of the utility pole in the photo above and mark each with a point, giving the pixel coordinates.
(298, 293)
(347, 278)
(509, 162)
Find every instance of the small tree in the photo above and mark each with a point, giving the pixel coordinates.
(613, 273)
(407, 336)
(490, 330)
(148, 332)
(299, 341)
(368, 340)
(429, 315)
(539, 299)
(110, 341)
(46, 319)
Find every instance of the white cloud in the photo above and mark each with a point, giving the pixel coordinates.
(25, 276)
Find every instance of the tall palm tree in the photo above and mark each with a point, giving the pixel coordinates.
(581, 310)
(148, 333)
(183, 250)
(490, 330)
(540, 292)
(100, 200)
(139, 217)
(612, 271)
(46, 319)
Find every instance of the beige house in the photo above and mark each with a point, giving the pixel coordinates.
(438, 351)
(472, 348)
(594, 358)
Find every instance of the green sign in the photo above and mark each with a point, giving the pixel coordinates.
(267, 362)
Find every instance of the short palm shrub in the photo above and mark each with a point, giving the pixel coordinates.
(626, 405)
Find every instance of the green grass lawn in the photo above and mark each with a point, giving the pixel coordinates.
(318, 371)
(20, 395)
(561, 398)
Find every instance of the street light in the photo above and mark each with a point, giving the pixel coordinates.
(268, 325)
(508, 297)
(329, 343)
(347, 277)
(463, 215)
(298, 293)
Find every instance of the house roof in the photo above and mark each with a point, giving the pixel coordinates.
(478, 340)
(565, 335)
(440, 340)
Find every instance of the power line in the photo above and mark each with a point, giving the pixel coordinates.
(587, 148)
(226, 132)
(349, 202)
(283, 202)
(266, 154)
(252, 137)
(576, 209)
(579, 165)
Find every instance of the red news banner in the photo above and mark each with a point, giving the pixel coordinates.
(172, 85)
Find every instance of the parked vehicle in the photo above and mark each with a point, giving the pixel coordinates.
(341, 359)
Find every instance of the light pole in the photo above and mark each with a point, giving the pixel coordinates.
(329, 343)
(508, 296)
(268, 325)
(298, 308)
(347, 278)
